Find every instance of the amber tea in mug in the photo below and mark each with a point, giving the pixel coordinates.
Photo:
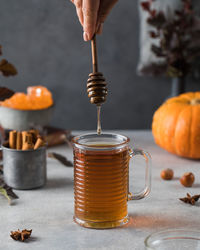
(101, 179)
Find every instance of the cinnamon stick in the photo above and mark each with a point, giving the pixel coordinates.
(39, 143)
(12, 139)
(24, 134)
(27, 144)
(19, 141)
(34, 134)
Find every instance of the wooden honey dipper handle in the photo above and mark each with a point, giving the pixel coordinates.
(94, 54)
(96, 85)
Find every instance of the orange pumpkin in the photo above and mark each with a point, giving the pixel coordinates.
(176, 125)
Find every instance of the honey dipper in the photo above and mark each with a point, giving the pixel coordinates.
(96, 85)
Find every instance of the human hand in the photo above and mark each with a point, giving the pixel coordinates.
(92, 14)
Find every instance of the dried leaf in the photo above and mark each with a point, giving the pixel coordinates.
(62, 159)
(153, 34)
(174, 72)
(157, 50)
(145, 5)
(4, 193)
(7, 191)
(158, 20)
(7, 68)
(153, 13)
(5, 93)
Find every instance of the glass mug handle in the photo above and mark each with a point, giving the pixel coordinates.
(147, 186)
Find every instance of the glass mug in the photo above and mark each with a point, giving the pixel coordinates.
(101, 179)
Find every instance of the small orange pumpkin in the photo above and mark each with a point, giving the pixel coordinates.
(176, 125)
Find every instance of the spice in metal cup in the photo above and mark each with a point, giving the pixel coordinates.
(24, 169)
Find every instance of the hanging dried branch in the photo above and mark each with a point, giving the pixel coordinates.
(179, 38)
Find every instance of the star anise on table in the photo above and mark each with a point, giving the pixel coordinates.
(21, 235)
(190, 199)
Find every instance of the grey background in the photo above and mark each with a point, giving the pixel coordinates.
(44, 40)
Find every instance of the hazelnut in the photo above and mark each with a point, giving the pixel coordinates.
(167, 174)
(187, 179)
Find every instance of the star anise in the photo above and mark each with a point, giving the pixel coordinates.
(16, 235)
(190, 199)
(20, 235)
(25, 234)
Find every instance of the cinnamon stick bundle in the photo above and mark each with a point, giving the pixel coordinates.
(39, 143)
(25, 140)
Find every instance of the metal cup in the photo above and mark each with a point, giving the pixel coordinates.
(24, 169)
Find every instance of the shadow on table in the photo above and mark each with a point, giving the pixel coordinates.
(149, 222)
(196, 185)
(58, 183)
(31, 239)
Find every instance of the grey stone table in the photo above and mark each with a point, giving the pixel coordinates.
(49, 210)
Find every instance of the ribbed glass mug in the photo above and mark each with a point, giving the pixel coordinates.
(101, 179)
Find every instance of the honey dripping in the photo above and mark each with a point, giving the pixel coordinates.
(96, 85)
(99, 120)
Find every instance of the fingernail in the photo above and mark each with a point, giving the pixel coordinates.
(85, 36)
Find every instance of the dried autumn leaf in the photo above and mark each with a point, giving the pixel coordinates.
(7, 68)
(153, 34)
(5, 93)
(7, 191)
(5, 194)
(157, 50)
(174, 72)
(146, 6)
(62, 159)
(157, 20)
(153, 13)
